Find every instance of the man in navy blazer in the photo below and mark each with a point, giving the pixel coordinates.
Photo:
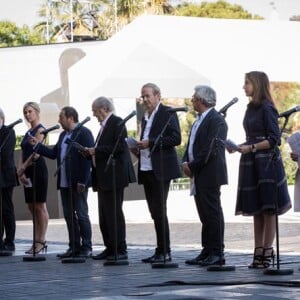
(204, 162)
(73, 180)
(155, 179)
(8, 180)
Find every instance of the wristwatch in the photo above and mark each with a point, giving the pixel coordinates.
(253, 148)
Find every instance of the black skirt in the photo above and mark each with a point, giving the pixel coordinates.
(262, 186)
(40, 180)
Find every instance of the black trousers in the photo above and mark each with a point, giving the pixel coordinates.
(8, 217)
(107, 218)
(156, 196)
(211, 216)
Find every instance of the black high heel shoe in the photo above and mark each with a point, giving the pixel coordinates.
(268, 256)
(29, 251)
(257, 262)
(38, 248)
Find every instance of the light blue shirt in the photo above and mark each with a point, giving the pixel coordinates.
(195, 127)
(63, 151)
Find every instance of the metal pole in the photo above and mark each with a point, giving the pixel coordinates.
(47, 22)
(71, 20)
(116, 15)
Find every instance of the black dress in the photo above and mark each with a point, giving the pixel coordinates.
(262, 178)
(41, 171)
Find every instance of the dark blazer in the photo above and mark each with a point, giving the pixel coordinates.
(170, 139)
(8, 176)
(123, 166)
(209, 164)
(80, 166)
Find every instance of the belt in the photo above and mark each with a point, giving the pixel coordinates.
(256, 138)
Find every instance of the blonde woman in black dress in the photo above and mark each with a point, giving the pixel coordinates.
(31, 113)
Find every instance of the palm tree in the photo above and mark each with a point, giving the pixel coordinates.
(129, 9)
(67, 18)
(158, 7)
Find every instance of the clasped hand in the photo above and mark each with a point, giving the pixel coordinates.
(294, 156)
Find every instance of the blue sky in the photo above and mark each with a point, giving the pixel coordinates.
(25, 11)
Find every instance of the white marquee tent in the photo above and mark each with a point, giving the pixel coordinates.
(175, 52)
(179, 52)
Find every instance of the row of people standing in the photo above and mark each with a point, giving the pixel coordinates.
(74, 177)
(203, 162)
(95, 156)
(262, 186)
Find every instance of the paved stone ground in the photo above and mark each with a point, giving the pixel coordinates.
(238, 236)
(51, 279)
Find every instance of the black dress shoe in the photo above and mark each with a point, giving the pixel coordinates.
(85, 253)
(119, 256)
(9, 247)
(102, 255)
(195, 261)
(158, 258)
(212, 260)
(68, 253)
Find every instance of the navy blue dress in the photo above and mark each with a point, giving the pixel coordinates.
(41, 171)
(262, 179)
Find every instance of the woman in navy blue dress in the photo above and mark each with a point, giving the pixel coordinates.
(31, 113)
(262, 179)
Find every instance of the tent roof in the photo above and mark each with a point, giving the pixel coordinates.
(179, 52)
(148, 64)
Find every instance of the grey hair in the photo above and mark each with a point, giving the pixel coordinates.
(106, 103)
(206, 94)
(2, 115)
(154, 87)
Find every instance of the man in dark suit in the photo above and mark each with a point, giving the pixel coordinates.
(73, 180)
(204, 162)
(8, 180)
(110, 132)
(156, 185)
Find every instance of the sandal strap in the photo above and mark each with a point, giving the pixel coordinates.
(257, 262)
(268, 256)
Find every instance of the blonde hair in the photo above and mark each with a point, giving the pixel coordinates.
(33, 105)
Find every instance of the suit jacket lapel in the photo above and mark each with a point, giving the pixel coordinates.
(203, 123)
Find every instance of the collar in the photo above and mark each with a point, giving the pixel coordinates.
(204, 114)
(146, 115)
(103, 123)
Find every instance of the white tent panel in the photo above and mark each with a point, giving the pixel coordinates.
(148, 64)
(192, 50)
